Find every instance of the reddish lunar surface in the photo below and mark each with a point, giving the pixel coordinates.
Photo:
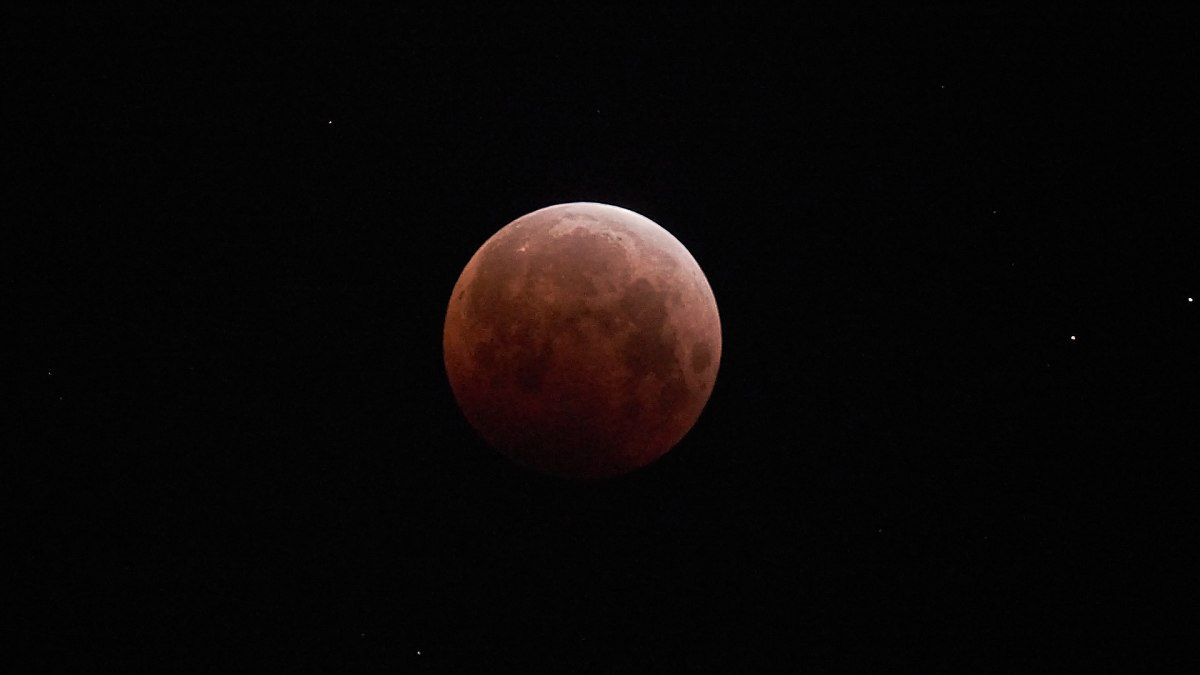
(582, 340)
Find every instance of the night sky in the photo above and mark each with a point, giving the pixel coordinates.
(954, 253)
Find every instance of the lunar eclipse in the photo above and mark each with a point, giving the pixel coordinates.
(582, 340)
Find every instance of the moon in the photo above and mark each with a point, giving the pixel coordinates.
(582, 340)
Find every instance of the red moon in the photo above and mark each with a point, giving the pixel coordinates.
(582, 340)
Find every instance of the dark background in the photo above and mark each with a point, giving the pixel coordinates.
(233, 237)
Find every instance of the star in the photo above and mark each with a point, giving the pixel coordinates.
(1190, 300)
(1072, 338)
